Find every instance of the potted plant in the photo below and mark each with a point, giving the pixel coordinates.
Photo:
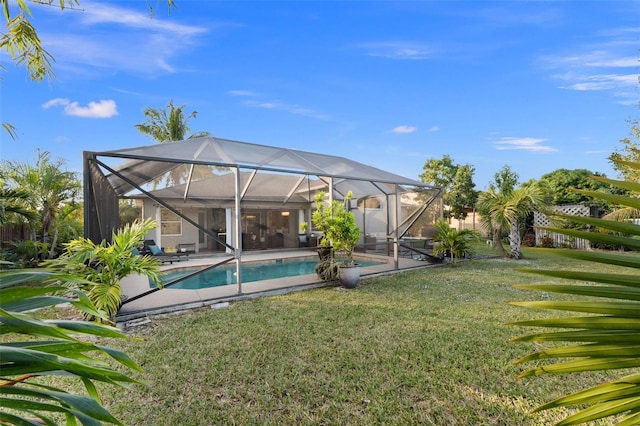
(340, 231)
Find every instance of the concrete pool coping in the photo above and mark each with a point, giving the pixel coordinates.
(169, 299)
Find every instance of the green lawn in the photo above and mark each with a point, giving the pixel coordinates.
(424, 347)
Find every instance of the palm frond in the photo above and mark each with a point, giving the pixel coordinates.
(55, 348)
(608, 337)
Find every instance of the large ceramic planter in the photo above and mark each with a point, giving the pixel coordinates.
(349, 276)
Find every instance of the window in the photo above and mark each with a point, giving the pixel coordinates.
(372, 203)
(170, 223)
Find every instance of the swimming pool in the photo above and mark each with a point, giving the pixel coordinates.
(226, 274)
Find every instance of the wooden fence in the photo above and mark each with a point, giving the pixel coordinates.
(11, 232)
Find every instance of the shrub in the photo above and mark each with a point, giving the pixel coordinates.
(453, 242)
(104, 265)
(547, 242)
(529, 239)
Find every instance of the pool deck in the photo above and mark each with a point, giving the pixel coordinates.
(169, 299)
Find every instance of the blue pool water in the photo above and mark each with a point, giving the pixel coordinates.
(226, 274)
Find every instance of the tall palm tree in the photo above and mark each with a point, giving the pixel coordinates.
(502, 209)
(170, 125)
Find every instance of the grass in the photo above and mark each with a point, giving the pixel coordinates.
(425, 347)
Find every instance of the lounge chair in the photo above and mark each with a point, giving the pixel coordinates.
(151, 249)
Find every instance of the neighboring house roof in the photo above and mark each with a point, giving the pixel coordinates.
(146, 163)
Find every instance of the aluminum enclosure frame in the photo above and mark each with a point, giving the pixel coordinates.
(105, 184)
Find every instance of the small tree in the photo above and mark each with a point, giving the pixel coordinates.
(503, 206)
(630, 153)
(454, 242)
(13, 204)
(105, 265)
(463, 196)
(456, 182)
(337, 224)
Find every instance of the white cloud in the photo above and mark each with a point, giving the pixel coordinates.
(397, 50)
(243, 93)
(254, 102)
(404, 129)
(100, 13)
(55, 102)
(136, 42)
(290, 108)
(604, 65)
(604, 82)
(592, 59)
(434, 129)
(525, 144)
(101, 109)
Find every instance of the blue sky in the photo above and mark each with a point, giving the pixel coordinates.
(536, 85)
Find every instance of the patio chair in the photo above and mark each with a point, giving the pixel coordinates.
(303, 240)
(159, 253)
(151, 249)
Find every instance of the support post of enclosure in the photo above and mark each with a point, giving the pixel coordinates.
(238, 231)
(395, 226)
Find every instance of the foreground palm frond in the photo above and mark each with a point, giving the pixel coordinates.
(608, 337)
(54, 349)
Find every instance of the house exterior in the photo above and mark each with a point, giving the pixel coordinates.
(265, 221)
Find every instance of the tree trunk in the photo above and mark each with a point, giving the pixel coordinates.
(52, 250)
(497, 241)
(515, 243)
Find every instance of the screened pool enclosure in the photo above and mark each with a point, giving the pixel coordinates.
(222, 197)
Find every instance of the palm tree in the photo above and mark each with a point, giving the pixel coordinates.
(48, 186)
(606, 336)
(501, 209)
(68, 225)
(13, 203)
(453, 241)
(105, 265)
(170, 125)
